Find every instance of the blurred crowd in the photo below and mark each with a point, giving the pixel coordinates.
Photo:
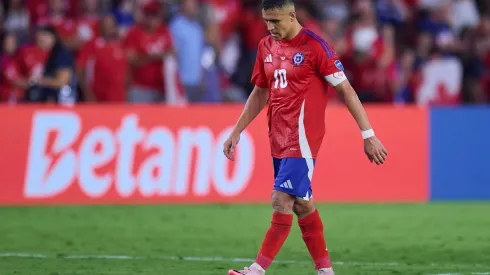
(177, 51)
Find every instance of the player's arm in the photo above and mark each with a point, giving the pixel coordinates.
(255, 103)
(373, 148)
(349, 95)
(329, 65)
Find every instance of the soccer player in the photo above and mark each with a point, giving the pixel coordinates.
(293, 69)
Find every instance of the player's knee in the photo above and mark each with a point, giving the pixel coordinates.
(282, 202)
(303, 208)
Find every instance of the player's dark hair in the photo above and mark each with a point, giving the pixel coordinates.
(276, 4)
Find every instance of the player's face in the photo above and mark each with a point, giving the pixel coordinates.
(279, 21)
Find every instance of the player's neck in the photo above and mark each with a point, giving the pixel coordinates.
(294, 31)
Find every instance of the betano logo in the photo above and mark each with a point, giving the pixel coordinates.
(131, 159)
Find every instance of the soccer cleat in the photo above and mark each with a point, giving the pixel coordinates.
(246, 271)
(326, 271)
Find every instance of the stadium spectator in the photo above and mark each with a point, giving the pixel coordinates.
(188, 36)
(65, 27)
(88, 21)
(147, 45)
(373, 38)
(124, 15)
(305, 15)
(37, 9)
(227, 14)
(31, 59)
(17, 20)
(210, 56)
(98, 57)
(9, 91)
(58, 81)
(252, 30)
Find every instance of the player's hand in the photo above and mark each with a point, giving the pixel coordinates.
(230, 145)
(375, 150)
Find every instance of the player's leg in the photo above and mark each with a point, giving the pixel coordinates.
(282, 220)
(309, 219)
(311, 225)
(276, 235)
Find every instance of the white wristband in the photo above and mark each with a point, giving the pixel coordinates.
(367, 134)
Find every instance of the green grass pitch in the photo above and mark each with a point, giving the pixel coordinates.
(377, 239)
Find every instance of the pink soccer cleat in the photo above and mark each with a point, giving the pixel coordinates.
(252, 270)
(326, 271)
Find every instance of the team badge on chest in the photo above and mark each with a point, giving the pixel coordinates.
(298, 59)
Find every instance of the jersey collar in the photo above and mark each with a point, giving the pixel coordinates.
(295, 40)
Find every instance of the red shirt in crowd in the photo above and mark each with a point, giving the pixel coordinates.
(65, 27)
(8, 74)
(36, 9)
(40, 8)
(143, 42)
(106, 67)
(366, 76)
(254, 29)
(228, 14)
(30, 60)
(88, 27)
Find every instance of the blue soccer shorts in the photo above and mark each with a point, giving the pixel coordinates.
(293, 176)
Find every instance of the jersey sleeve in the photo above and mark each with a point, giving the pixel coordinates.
(258, 76)
(329, 65)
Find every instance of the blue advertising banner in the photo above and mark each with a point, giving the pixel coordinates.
(460, 153)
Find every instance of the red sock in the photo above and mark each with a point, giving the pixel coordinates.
(312, 231)
(274, 238)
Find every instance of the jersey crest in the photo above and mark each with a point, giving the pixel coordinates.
(298, 59)
(339, 65)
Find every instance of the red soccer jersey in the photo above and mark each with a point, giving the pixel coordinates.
(296, 73)
(106, 67)
(142, 42)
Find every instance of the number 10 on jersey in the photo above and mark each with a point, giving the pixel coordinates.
(281, 79)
